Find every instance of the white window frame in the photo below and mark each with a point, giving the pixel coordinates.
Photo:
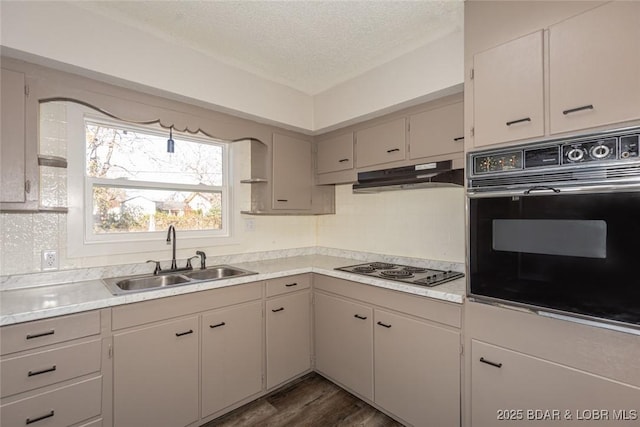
(82, 241)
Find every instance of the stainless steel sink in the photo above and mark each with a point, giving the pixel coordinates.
(125, 285)
(217, 272)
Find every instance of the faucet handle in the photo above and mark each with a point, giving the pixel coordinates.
(157, 270)
(189, 261)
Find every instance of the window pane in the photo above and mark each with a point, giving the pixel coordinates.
(122, 210)
(136, 155)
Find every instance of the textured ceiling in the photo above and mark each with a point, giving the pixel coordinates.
(308, 45)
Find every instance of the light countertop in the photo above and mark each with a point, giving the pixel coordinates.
(33, 303)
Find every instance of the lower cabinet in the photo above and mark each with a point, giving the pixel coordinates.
(399, 351)
(52, 372)
(524, 369)
(344, 342)
(156, 374)
(232, 348)
(288, 337)
(514, 388)
(417, 370)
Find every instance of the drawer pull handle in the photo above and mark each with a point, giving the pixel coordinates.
(282, 200)
(357, 316)
(179, 334)
(43, 417)
(489, 362)
(513, 122)
(41, 334)
(393, 150)
(460, 138)
(343, 160)
(217, 325)
(43, 371)
(575, 110)
(288, 285)
(384, 324)
(278, 309)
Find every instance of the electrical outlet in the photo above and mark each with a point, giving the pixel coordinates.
(249, 224)
(49, 259)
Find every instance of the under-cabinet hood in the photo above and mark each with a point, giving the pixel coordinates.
(436, 174)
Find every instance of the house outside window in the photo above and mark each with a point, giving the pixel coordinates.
(131, 188)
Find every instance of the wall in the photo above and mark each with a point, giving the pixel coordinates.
(420, 223)
(62, 35)
(427, 73)
(425, 223)
(24, 236)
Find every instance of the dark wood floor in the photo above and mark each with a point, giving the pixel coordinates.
(310, 401)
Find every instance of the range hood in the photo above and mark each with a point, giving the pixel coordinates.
(436, 174)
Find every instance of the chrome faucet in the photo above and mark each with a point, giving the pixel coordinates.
(174, 264)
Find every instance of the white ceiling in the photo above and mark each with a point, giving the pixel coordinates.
(308, 45)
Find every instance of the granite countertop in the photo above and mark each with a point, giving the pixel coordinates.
(40, 302)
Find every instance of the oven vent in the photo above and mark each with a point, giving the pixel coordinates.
(620, 175)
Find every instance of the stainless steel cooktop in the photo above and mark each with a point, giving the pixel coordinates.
(403, 273)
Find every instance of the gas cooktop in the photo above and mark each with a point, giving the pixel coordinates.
(403, 273)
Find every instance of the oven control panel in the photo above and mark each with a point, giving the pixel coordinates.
(559, 154)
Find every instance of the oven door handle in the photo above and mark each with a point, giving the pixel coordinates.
(541, 188)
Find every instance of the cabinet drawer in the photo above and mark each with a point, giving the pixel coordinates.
(35, 370)
(283, 285)
(26, 336)
(61, 407)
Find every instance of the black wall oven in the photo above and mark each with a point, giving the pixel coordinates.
(555, 226)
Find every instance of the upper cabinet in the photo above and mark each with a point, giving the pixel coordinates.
(508, 91)
(12, 143)
(580, 71)
(335, 160)
(594, 63)
(292, 173)
(382, 143)
(437, 132)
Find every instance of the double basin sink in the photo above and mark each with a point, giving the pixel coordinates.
(126, 285)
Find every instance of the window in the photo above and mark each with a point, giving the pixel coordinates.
(133, 188)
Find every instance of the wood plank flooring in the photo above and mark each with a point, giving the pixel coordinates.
(311, 401)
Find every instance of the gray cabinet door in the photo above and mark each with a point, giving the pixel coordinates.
(292, 173)
(231, 356)
(12, 131)
(156, 375)
(344, 342)
(288, 337)
(335, 154)
(437, 132)
(508, 91)
(594, 66)
(382, 143)
(417, 370)
(507, 385)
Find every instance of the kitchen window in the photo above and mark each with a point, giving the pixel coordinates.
(127, 187)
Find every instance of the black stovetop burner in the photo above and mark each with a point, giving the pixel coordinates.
(403, 273)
